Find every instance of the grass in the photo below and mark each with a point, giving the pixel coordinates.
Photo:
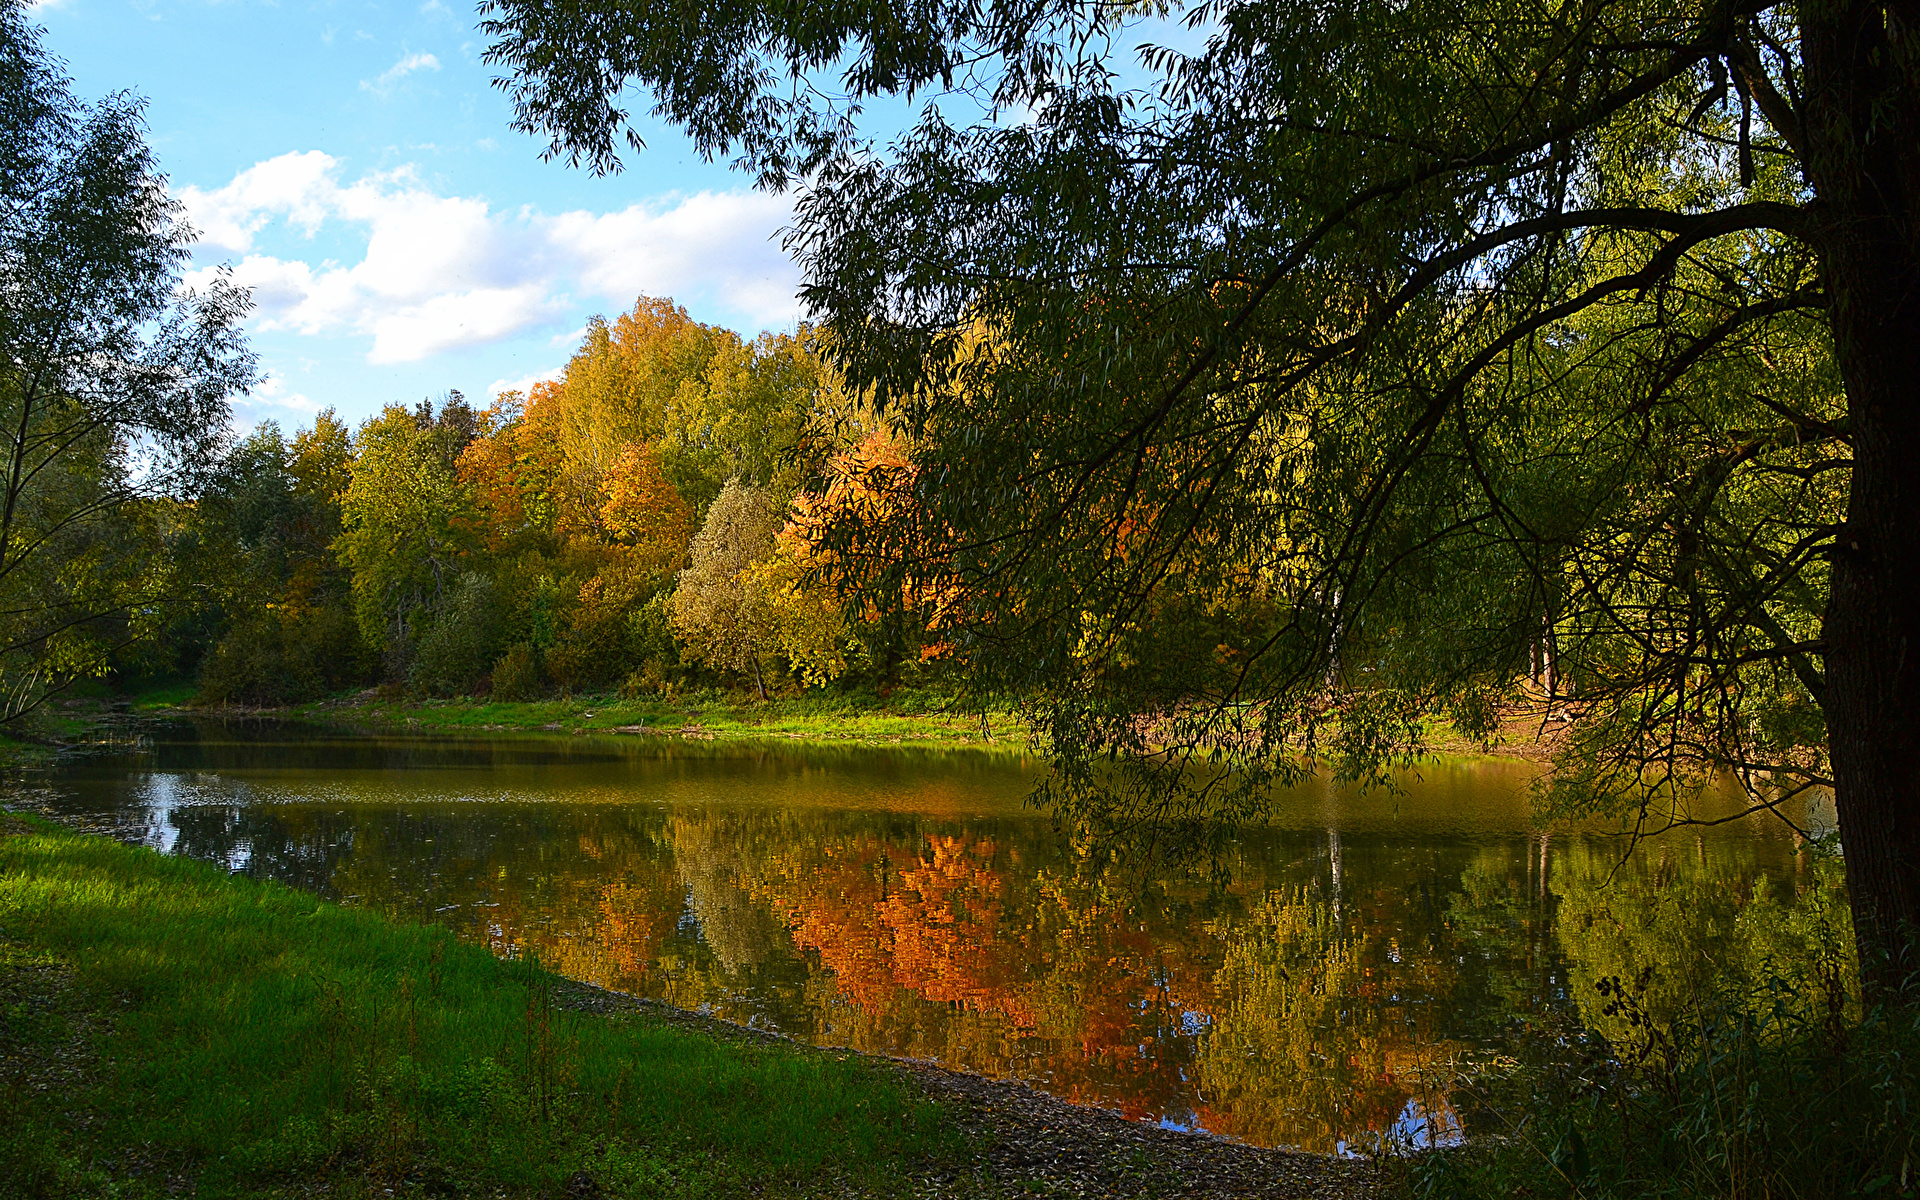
(906, 719)
(168, 1028)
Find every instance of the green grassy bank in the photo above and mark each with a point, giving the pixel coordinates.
(905, 720)
(167, 1029)
(94, 715)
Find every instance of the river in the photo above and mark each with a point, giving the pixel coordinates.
(1302, 994)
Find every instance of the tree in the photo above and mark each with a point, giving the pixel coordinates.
(401, 535)
(746, 418)
(1476, 337)
(717, 608)
(113, 378)
(642, 509)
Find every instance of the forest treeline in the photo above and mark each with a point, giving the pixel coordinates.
(643, 523)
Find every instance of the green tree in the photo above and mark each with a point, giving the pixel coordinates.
(401, 538)
(114, 379)
(746, 419)
(1489, 340)
(265, 526)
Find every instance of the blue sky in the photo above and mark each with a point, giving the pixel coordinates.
(353, 163)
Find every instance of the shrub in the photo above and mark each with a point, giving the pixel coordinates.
(457, 648)
(517, 675)
(1780, 1094)
(285, 657)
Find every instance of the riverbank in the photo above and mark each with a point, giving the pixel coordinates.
(906, 721)
(106, 721)
(166, 1028)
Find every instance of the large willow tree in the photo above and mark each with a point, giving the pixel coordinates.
(1378, 357)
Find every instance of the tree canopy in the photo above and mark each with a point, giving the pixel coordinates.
(1453, 355)
(114, 380)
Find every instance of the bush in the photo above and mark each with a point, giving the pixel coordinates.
(283, 658)
(457, 648)
(650, 639)
(517, 675)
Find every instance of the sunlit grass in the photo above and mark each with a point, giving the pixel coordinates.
(906, 721)
(253, 1037)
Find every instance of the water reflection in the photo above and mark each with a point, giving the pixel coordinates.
(909, 904)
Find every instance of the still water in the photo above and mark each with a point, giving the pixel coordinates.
(909, 903)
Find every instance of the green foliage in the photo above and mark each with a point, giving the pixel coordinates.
(261, 1039)
(596, 645)
(517, 675)
(718, 609)
(1779, 1094)
(285, 656)
(113, 393)
(1718, 1048)
(650, 640)
(746, 419)
(463, 640)
(400, 538)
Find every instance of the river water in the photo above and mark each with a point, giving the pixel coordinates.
(910, 903)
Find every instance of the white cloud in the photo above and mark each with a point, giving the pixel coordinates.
(442, 272)
(299, 187)
(272, 393)
(408, 64)
(271, 400)
(525, 382)
(722, 243)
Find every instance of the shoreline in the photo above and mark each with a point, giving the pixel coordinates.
(1018, 1140)
(1070, 1146)
(89, 726)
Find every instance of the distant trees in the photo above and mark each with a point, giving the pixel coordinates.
(264, 528)
(113, 380)
(640, 523)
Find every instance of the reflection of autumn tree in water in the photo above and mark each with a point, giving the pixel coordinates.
(956, 947)
(1293, 1004)
(711, 858)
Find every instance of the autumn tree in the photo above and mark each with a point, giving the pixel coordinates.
(1473, 334)
(514, 471)
(642, 510)
(717, 610)
(749, 415)
(623, 384)
(265, 526)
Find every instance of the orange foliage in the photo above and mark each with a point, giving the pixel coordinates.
(513, 470)
(867, 486)
(643, 509)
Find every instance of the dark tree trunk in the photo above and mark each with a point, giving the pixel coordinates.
(1861, 130)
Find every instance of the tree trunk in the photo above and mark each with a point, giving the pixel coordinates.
(1861, 126)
